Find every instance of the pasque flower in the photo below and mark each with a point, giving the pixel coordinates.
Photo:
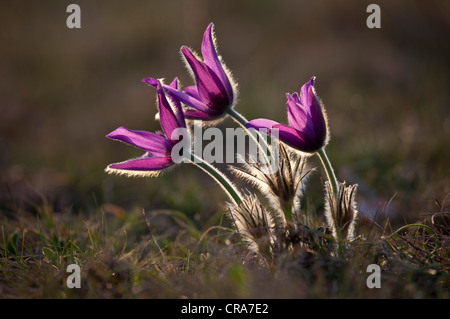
(308, 131)
(213, 92)
(308, 128)
(157, 146)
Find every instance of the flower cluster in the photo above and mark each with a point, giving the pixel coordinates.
(212, 98)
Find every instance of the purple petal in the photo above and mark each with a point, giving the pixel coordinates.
(210, 87)
(318, 120)
(314, 108)
(153, 82)
(187, 99)
(211, 59)
(177, 105)
(289, 135)
(296, 98)
(296, 139)
(286, 134)
(192, 91)
(306, 93)
(261, 123)
(297, 115)
(167, 117)
(144, 163)
(199, 115)
(150, 142)
(174, 84)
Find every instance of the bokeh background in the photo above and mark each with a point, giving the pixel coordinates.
(386, 93)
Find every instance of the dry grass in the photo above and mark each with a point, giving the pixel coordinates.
(163, 254)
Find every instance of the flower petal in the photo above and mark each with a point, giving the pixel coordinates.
(315, 112)
(211, 59)
(168, 119)
(306, 93)
(176, 102)
(210, 87)
(150, 142)
(261, 123)
(318, 120)
(187, 99)
(296, 98)
(286, 134)
(297, 115)
(200, 115)
(192, 91)
(153, 82)
(289, 135)
(296, 139)
(177, 105)
(143, 163)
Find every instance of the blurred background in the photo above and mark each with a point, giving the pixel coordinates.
(386, 93)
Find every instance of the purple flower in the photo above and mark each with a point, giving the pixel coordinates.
(214, 91)
(157, 146)
(308, 128)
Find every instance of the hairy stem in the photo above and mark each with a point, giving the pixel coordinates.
(219, 177)
(261, 142)
(329, 171)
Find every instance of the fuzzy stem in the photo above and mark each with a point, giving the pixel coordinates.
(329, 170)
(261, 142)
(237, 117)
(220, 178)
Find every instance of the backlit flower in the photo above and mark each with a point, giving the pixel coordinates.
(213, 92)
(308, 128)
(157, 146)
